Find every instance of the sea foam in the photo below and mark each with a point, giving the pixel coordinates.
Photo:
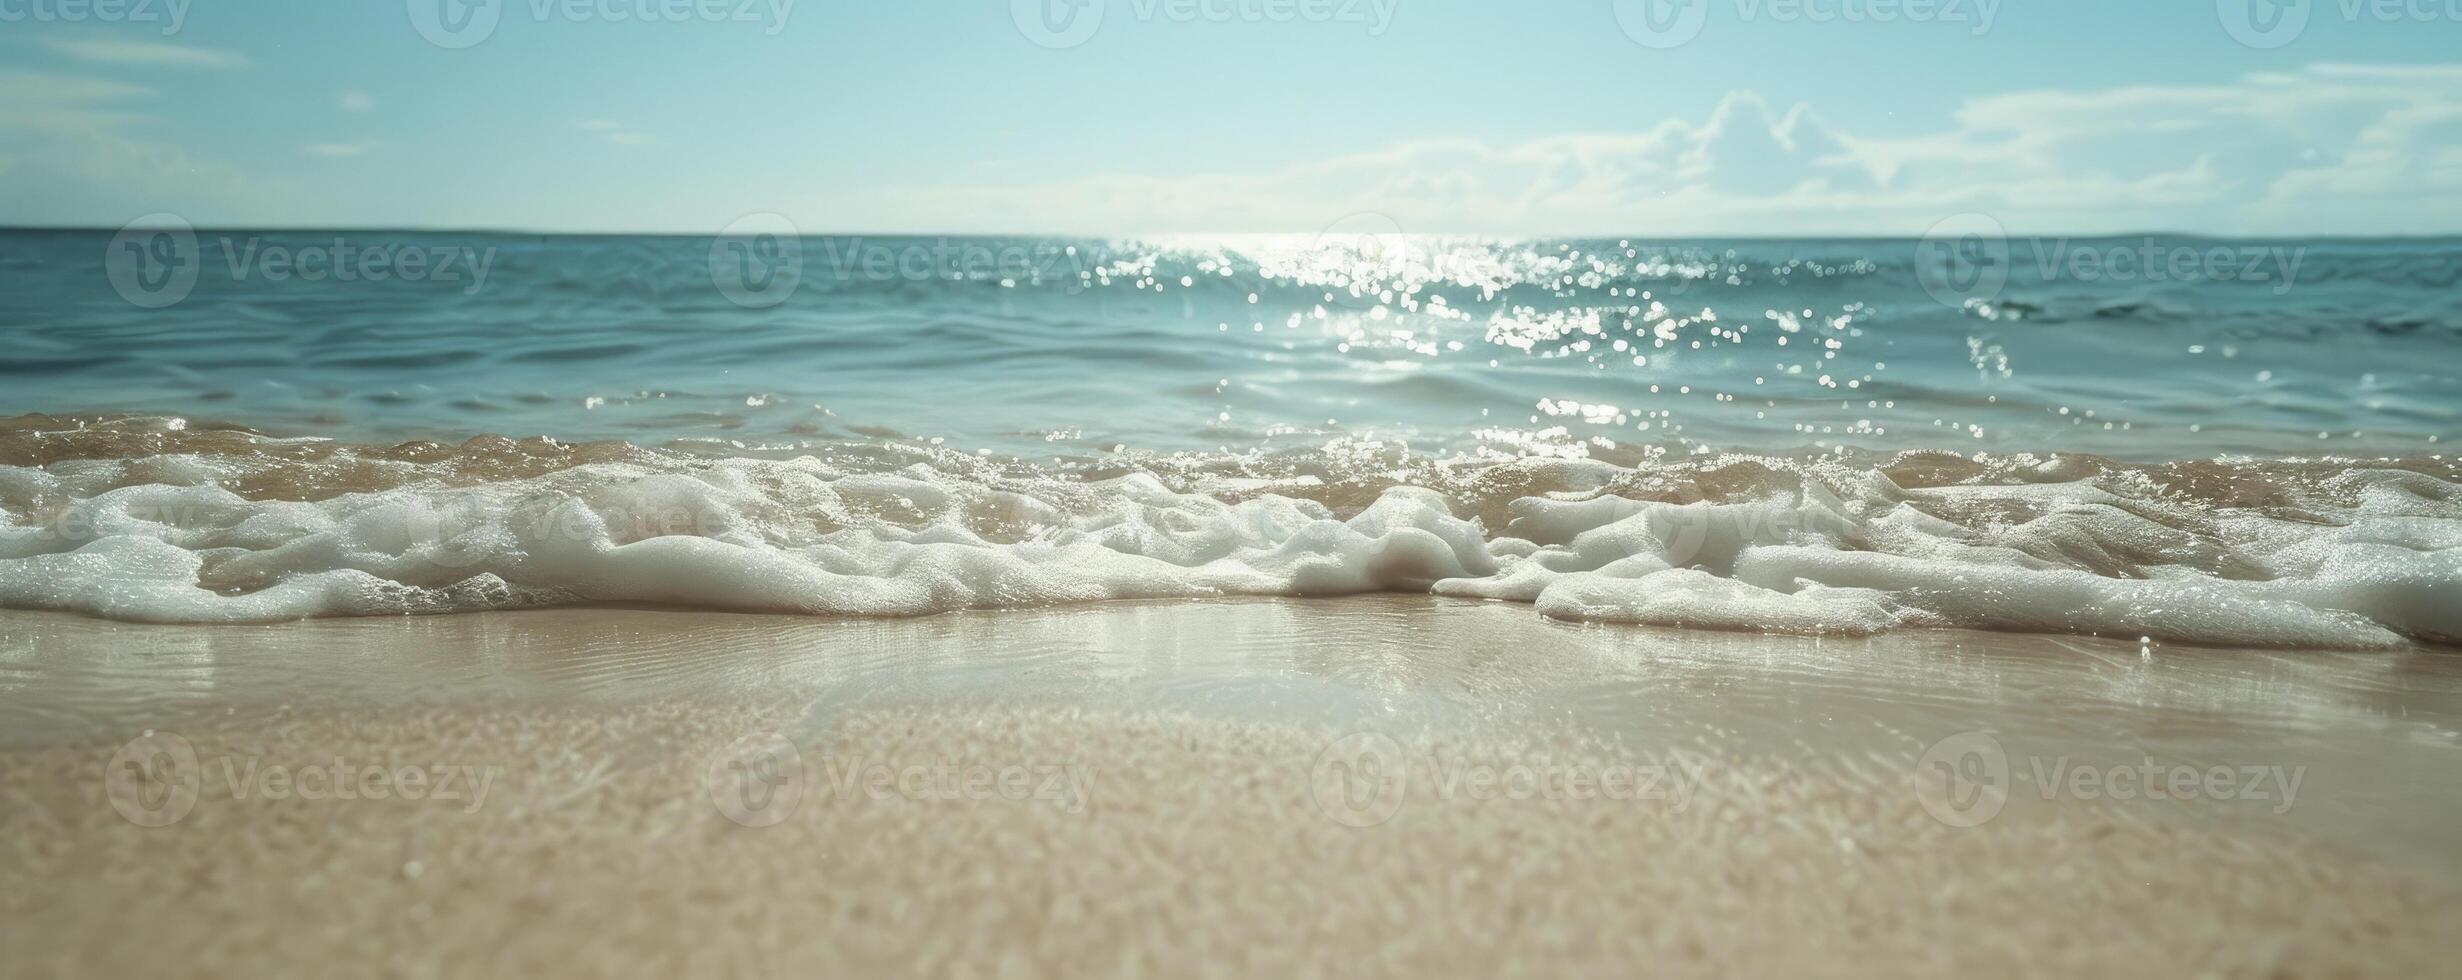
(225, 527)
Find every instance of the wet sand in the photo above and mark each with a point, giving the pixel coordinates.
(1375, 785)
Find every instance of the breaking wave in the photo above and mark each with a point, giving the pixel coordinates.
(152, 519)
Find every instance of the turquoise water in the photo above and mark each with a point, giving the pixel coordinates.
(1043, 347)
(2163, 440)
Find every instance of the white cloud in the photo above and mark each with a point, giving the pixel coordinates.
(2340, 148)
(340, 149)
(118, 51)
(354, 100)
(79, 154)
(51, 102)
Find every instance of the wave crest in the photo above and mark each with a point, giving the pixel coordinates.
(150, 519)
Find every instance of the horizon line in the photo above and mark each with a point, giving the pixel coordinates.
(6, 228)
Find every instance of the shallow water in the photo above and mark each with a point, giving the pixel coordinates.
(1824, 438)
(2370, 734)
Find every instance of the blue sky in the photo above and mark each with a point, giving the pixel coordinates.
(1761, 117)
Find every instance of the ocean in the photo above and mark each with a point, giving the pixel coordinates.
(2177, 439)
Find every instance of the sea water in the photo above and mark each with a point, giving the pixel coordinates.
(2237, 441)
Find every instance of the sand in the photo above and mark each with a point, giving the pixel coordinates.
(1375, 786)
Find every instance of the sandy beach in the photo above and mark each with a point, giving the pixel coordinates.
(1230, 489)
(1388, 785)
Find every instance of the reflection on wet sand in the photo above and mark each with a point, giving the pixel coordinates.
(2376, 732)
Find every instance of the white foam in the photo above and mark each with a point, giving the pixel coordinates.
(2365, 558)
